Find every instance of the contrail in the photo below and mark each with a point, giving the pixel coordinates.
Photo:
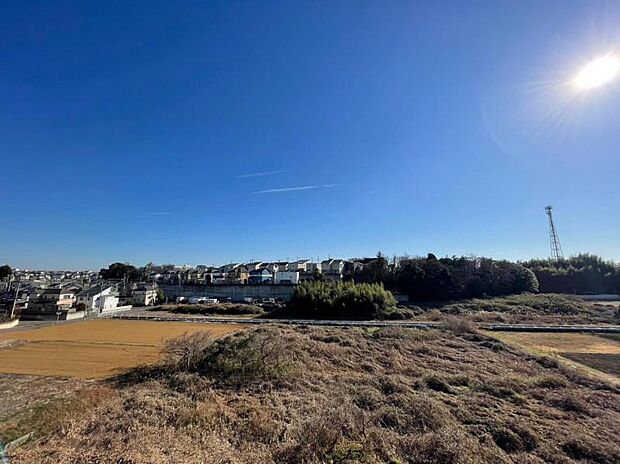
(287, 189)
(261, 174)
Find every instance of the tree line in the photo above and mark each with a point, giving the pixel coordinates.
(436, 279)
(580, 274)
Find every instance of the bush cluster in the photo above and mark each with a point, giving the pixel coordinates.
(517, 304)
(241, 358)
(341, 300)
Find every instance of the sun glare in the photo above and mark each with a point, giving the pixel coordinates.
(598, 72)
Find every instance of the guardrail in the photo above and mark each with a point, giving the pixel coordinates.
(9, 324)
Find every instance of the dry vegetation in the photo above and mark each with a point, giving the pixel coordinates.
(92, 349)
(311, 395)
(34, 391)
(219, 309)
(600, 352)
(526, 308)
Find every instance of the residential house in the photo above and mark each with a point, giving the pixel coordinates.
(226, 268)
(300, 265)
(352, 267)
(332, 269)
(260, 276)
(286, 277)
(194, 276)
(99, 298)
(313, 267)
(216, 277)
(51, 300)
(280, 266)
(253, 266)
(13, 300)
(238, 275)
(144, 295)
(305, 276)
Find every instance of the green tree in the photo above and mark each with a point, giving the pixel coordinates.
(340, 300)
(583, 273)
(118, 271)
(5, 271)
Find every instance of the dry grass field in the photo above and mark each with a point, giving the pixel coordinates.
(92, 349)
(526, 309)
(601, 353)
(278, 395)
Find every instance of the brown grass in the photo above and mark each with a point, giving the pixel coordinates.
(527, 308)
(318, 395)
(92, 349)
(604, 362)
(562, 342)
(582, 351)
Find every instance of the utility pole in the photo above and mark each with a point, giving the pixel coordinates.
(554, 240)
(15, 300)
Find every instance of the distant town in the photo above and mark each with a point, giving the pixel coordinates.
(66, 295)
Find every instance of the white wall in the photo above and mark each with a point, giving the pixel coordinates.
(291, 277)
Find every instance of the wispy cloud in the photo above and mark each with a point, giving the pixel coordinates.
(294, 189)
(287, 189)
(261, 174)
(159, 213)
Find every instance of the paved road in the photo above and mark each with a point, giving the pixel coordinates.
(339, 323)
(133, 315)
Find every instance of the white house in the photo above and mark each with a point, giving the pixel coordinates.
(301, 265)
(144, 295)
(286, 277)
(312, 267)
(226, 268)
(254, 266)
(99, 298)
(332, 269)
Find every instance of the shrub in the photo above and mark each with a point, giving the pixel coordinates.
(341, 300)
(249, 356)
(449, 445)
(570, 402)
(318, 439)
(459, 325)
(187, 352)
(257, 355)
(423, 413)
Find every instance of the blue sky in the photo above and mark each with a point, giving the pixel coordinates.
(209, 132)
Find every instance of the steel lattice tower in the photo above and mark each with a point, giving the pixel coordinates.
(554, 240)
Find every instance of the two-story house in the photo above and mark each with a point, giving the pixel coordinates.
(99, 298)
(260, 276)
(144, 295)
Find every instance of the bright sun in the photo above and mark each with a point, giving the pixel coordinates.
(598, 72)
